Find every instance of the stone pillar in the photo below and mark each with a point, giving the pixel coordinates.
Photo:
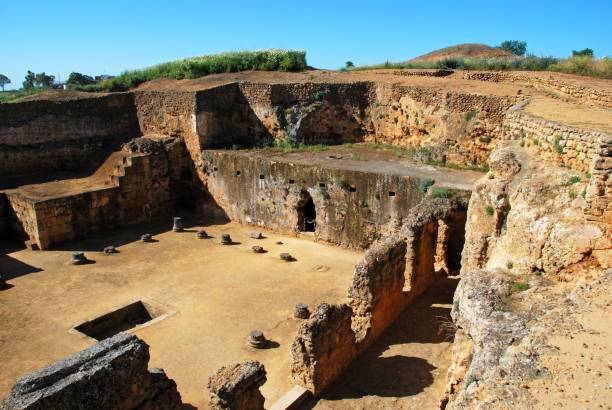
(178, 224)
(236, 387)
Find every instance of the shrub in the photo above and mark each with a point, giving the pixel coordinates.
(509, 265)
(574, 179)
(451, 63)
(426, 184)
(287, 146)
(343, 183)
(470, 115)
(519, 286)
(442, 193)
(463, 204)
(572, 194)
(557, 145)
(490, 210)
(319, 95)
(485, 139)
(585, 52)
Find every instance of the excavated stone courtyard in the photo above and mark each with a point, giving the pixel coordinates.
(438, 226)
(210, 296)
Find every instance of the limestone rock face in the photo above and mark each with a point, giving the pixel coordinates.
(485, 330)
(503, 164)
(532, 220)
(236, 387)
(111, 374)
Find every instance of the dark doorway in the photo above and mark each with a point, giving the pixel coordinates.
(307, 214)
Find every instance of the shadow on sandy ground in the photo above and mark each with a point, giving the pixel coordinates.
(132, 233)
(11, 268)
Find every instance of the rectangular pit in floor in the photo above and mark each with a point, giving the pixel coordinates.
(119, 320)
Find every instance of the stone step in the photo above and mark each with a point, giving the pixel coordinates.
(292, 399)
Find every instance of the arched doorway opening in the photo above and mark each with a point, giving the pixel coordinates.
(307, 213)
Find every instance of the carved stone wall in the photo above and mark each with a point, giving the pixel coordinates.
(43, 135)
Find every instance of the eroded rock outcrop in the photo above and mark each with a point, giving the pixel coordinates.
(236, 387)
(532, 220)
(528, 233)
(111, 374)
(485, 329)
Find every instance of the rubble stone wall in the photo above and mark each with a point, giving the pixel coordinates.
(587, 151)
(111, 374)
(585, 94)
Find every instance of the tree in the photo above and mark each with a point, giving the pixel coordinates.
(585, 52)
(40, 80)
(43, 80)
(514, 46)
(80, 79)
(349, 64)
(4, 80)
(30, 81)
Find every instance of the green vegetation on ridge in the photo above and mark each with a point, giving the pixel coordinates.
(581, 65)
(189, 68)
(483, 57)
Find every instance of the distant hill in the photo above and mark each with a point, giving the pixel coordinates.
(464, 51)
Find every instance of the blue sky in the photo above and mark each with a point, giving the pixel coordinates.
(109, 36)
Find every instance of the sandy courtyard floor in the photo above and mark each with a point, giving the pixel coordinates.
(213, 296)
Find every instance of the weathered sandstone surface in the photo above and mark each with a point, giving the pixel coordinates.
(111, 374)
